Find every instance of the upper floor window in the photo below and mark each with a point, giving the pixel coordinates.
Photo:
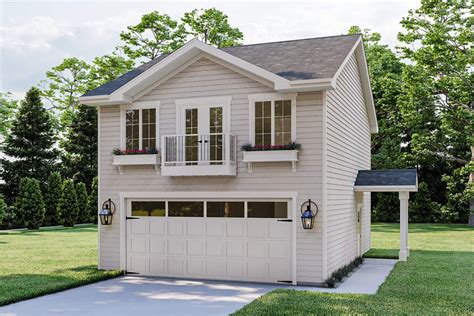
(139, 126)
(273, 118)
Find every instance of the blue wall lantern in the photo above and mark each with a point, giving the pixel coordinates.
(309, 210)
(107, 212)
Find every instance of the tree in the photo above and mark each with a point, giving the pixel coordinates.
(82, 205)
(79, 157)
(3, 208)
(107, 68)
(29, 144)
(437, 40)
(156, 34)
(7, 110)
(92, 201)
(51, 199)
(68, 206)
(29, 204)
(212, 27)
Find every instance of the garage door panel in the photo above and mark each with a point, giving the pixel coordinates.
(236, 269)
(176, 227)
(256, 228)
(138, 227)
(216, 268)
(195, 247)
(215, 247)
(279, 230)
(195, 267)
(257, 249)
(157, 246)
(157, 265)
(278, 250)
(235, 248)
(235, 229)
(176, 265)
(257, 270)
(278, 270)
(138, 245)
(157, 227)
(138, 263)
(176, 246)
(196, 228)
(215, 228)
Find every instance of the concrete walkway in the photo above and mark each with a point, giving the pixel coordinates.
(159, 296)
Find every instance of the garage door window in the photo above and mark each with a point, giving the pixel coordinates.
(267, 210)
(148, 208)
(225, 209)
(185, 208)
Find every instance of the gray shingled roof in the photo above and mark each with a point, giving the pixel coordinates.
(395, 177)
(312, 58)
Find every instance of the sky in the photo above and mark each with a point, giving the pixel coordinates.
(38, 35)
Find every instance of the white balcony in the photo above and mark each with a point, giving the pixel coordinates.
(199, 155)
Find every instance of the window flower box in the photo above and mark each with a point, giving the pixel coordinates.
(136, 158)
(270, 155)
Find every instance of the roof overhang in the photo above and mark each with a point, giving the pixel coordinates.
(190, 51)
(392, 180)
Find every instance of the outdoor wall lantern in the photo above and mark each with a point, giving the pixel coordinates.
(107, 212)
(308, 214)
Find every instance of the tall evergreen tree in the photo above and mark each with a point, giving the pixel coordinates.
(93, 200)
(3, 208)
(80, 146)
(51, 199)
(29, 144)
(67, 206)
(82, 206)
(29, 204)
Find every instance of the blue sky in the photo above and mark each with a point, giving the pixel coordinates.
(37, 35)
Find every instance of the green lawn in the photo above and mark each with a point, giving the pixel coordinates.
(34, 263)
(437, 279)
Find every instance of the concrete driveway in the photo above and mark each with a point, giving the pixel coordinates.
(142, 296)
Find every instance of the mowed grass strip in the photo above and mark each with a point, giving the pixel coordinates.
(437, 279)
(34, 263)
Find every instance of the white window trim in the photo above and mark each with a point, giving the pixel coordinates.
(272, 97)
(142, 105)
(181, 104)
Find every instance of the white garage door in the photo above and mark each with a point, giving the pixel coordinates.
(226, 240)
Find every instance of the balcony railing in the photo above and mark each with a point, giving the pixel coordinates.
(199, 155)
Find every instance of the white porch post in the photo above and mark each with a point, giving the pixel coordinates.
(404, 251)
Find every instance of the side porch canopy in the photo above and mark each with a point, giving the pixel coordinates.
(402, 181)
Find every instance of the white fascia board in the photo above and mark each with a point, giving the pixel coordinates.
(386, 188)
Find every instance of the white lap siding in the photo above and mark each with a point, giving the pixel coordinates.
(347, 151)
(206, 78)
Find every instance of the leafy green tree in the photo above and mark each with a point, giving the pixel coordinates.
(29, 204)
(79, 146)
(437, 40)
(29, 144)
(156, 34)
(7, 110)
(3, 208)
(108, 67)
(212, 27)
(82, 206)
(92, 201)
(51, 199)
(68, 206)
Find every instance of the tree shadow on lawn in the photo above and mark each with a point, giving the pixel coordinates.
(19, 287)
(38, 232)
(381, 253)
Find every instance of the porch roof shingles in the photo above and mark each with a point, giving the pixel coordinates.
(389, 177)
(304, 59)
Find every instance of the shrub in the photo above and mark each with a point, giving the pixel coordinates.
(29, 204)
(51, 199)
(3, 207)
(82, 207)
(341, 273)
(92, 201)
(67, 206)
